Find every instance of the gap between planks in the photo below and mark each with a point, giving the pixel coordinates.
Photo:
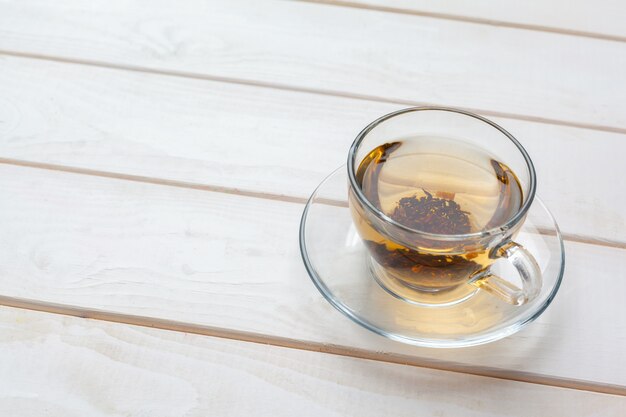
(245, 193)
(298, 89)
(172, 325)
(468, 19)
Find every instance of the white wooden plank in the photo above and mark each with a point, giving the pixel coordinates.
(259, 139)
(233, 262)
(398, 57)
(603, 19)
(63, 366)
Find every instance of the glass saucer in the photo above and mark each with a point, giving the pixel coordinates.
(338, 264)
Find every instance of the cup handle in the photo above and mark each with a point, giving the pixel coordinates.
(526, 266)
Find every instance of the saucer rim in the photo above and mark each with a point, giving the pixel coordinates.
(424, 342)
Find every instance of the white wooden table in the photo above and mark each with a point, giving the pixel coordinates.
(154, 160)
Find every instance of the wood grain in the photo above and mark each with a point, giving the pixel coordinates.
(601, 19)
(346, 51)
(260, 141)
(232, 262)
(63, 366)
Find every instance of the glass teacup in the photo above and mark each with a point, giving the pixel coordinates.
(438, 196)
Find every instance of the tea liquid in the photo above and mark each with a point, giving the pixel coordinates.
(435, 185)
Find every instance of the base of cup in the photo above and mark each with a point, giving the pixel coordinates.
(424, 297)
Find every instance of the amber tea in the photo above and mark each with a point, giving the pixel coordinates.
(438, 186)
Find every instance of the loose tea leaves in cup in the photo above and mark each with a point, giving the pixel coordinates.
(432, 214)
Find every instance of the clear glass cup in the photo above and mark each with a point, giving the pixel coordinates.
(445, 263)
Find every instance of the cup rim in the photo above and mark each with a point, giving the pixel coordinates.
(436, 236)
